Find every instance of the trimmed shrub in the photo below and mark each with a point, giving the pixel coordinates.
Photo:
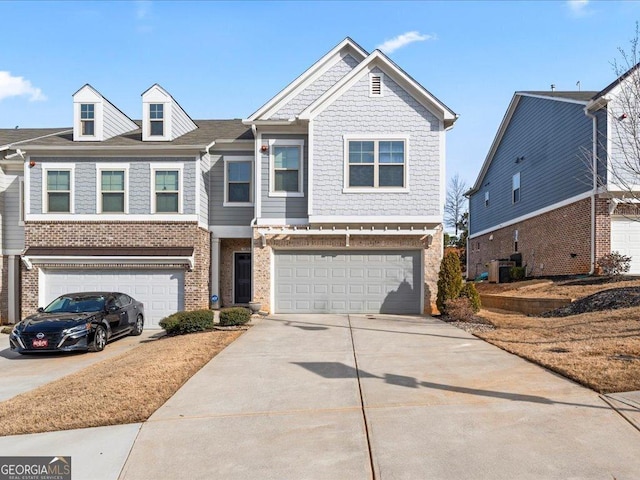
(449, 280)
(614, 264)
(469, 291)
(234, 316)
(188, 322)
(460, 310)
(517, 273)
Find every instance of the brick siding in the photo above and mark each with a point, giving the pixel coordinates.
(121, 234)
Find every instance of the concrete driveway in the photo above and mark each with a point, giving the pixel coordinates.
(21, 373)
(361, 397)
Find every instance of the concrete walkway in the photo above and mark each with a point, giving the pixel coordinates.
(361, 397)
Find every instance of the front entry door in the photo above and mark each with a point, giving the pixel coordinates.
(242, 282)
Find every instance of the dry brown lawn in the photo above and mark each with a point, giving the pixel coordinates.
(543, 288)
(125, 389)
(598, 349)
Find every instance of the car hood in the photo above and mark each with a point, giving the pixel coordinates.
(43, 322)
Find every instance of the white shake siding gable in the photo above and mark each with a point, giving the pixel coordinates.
(395, 113)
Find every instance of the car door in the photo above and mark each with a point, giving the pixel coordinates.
(116, 315)
(128, 307)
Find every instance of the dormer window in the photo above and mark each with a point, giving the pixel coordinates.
(87, 119)
(156, 118)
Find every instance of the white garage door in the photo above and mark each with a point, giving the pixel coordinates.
(348, 282)
(161, 291)
(625, 238)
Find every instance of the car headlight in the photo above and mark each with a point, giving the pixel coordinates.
(77, 329)
(16, 329)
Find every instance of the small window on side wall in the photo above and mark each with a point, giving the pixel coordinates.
(486, 199)
(515, 188)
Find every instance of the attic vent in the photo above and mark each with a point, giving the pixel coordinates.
(375, 85)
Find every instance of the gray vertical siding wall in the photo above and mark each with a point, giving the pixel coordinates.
(139, 182)
(305, 98)
(203, 173)
(12, 233)
(284, 207)
(220, 215)
(555, 139)
(396, 112)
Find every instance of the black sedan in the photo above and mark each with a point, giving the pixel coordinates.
(78, 321)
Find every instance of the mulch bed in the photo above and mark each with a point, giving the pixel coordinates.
(611, 299)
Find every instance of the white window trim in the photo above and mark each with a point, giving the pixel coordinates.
(162, 120)
(146, 127)
(278, 142)
(21, 202)
(163, 167)
(54, 167)
(227, 159)
(371, 75)
(513, 188)
(378, 138)
(98, 109)
(112, 167)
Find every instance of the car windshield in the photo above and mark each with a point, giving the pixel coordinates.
(70, 304)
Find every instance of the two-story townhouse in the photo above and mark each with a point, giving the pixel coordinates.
(329, 198)
(551, 189)
(348, 209)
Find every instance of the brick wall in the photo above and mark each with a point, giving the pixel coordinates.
(120, 234)
(227, 247)
(554, 243)
(603, 227)
(262, 257)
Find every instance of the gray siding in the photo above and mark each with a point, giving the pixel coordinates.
(310, 94)
(284, 207)
(396, 112)
(554, 138)
(180, 121)
(139, 182)
(12, 233)
(203, 178)
(114, 122)
(219, 215)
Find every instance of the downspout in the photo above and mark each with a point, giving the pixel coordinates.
(254, 220)
(594, 168)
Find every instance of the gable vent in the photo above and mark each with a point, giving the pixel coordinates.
(375, 85)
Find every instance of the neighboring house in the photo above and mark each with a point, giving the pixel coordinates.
(328, 199)
(551, 187)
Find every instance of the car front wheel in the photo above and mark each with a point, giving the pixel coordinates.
(138, 327)
(99, 339)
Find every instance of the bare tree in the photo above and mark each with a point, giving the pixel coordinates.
(456, 203)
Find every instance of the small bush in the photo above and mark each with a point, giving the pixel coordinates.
(517, 273)
(234, 316)
(469, 291)
(449, 280)
(188, 322)
(460, 310)
(614, 264)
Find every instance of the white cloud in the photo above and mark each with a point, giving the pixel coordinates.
(393, 44)
(143, 8)
(579, 8)
(11, 86)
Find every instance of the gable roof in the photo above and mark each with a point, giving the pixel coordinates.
(10, 137)
(308, 76)
(377, 58)
(615, 83)
(570, 97)
(105, 99)
(207, 131)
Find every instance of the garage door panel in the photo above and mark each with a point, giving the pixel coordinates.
(161, 291)
(625, 238)
(356, 282)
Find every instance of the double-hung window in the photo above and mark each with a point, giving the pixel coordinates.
(156, 119)
(238, 175)
(87, 119)
(515, 188)
(58, 190)
(286, 168)
(167, 190)
(112, 188)
(375, 164)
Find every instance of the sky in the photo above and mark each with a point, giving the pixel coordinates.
(226, 59)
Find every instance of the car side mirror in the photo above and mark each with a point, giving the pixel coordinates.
(112, 308)
(40, 309)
